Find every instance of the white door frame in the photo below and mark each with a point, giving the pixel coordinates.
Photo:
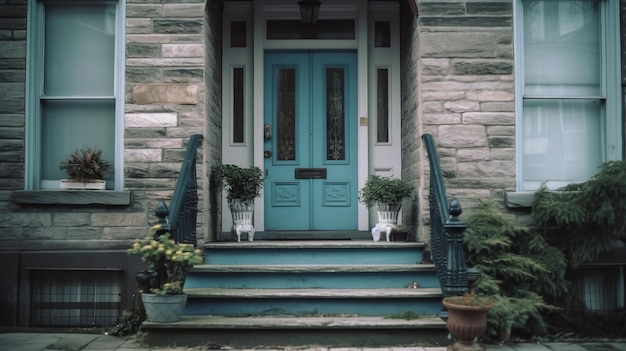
(251, 58)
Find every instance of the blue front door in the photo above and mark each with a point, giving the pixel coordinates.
(310, 141)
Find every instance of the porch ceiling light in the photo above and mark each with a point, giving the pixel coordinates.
(309, 11)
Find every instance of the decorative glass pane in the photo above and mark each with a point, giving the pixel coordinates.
(382, 34)
(324, 29)
(238, 105)
(562, 48)
(286, 115)
(79, 49)
(238, 34)
(382, 106)
(561, 140)
(335, 114)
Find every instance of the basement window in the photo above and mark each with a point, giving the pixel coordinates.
(84, 298)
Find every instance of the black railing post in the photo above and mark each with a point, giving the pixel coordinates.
(181, 218)
(446, 230)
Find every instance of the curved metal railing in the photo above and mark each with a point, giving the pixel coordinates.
(181, 218)
(446, 230)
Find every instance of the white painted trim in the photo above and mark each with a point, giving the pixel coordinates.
(385, 158)
(288, 9)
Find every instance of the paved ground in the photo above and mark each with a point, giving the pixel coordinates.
(100, 342)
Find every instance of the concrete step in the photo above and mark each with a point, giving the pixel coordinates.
(296, 331)
(366, 302)
(312, 276)
(320, 252)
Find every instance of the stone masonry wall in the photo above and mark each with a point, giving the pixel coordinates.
(466, 96)
(12, 93)
(165, 104)
(412, 169)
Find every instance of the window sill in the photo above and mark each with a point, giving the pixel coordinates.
(72, 197)
(523, 199)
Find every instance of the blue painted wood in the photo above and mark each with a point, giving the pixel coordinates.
(269, 256)
(310, 204)
(364, 307)
(328, 280)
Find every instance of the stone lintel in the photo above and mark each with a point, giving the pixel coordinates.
(185, 94)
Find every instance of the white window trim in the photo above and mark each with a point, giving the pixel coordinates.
(34, 89)
(611, 85)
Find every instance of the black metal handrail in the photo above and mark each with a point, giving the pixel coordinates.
(446, 230)
(181, 218)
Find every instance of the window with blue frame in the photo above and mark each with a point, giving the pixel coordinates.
(75, 94)
(568, 103)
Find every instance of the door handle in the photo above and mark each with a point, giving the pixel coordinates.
(266, 132)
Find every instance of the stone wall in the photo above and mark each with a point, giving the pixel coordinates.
(165, 103)
(466, 96)
(12, 93)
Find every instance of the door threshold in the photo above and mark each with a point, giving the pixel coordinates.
(300, 235)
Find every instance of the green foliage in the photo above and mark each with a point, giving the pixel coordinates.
(408, 315)
(85, 164)
(168, 258)
(131, 319)
(519, 270)
(243, 184)
(583, 218)
(384, 190)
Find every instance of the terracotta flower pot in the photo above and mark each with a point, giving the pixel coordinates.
(466, 323)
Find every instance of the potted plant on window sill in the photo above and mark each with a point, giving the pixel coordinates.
(242, 185)
(86, 169)
(162, 283)
(386, 195)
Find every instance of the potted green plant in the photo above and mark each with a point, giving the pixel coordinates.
(467, 319)
(86, 169)
(162, 284)
(386, 195)
(242, 185)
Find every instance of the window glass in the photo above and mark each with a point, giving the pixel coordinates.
(76, 74)
(79, 50)
(562, 48)
(565, 117)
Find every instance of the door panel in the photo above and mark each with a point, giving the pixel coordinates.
(310, 111)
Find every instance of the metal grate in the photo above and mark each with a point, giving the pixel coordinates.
(602, 289)
(74, 298)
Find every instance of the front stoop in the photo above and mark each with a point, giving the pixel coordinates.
(308, 292)
(292, 331)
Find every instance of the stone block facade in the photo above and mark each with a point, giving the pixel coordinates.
(169, 95)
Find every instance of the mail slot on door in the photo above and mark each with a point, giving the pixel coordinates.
(310, 173)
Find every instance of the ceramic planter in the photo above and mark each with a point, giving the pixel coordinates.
(164, 308)
(242, 219)
(95, 184)
(466, 323)
(387, 220)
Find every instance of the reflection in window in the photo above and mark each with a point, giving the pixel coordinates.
(238, 105)
(238, 34)
(286, 114)
(335, 114)
(382, 106)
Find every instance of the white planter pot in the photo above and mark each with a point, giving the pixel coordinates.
(387, 220)
(95, 184)
(164, 308)
(242, 219)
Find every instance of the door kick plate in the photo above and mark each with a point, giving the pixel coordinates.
(310, 173)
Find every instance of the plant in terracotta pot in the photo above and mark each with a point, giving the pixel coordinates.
(86, 169)
(242, 185)
(386, 195)
(467, 320)
(162, 283)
